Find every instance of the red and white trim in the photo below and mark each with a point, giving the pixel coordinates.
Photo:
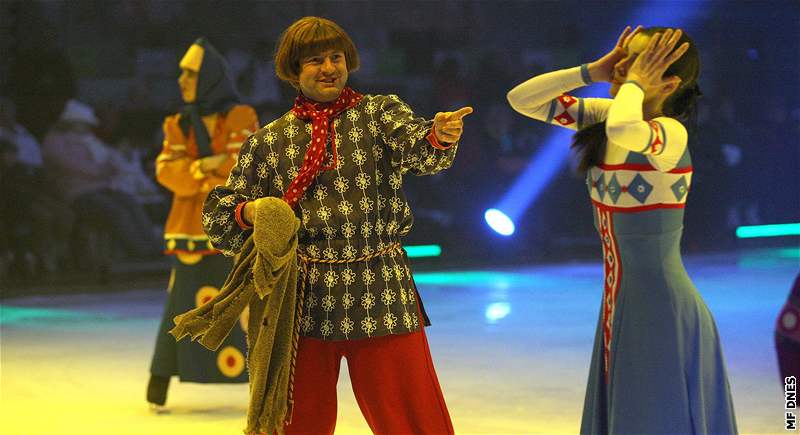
(637, 209)
(661, 194)
(612, 275)
(564, 118)
(656, 145)
(642, 167)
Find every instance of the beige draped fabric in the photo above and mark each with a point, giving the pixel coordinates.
(266, 268)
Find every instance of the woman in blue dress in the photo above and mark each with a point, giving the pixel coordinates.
(657, 364)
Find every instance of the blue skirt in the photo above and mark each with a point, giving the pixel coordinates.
(657, 365)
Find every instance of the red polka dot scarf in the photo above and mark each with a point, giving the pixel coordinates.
(321, 115)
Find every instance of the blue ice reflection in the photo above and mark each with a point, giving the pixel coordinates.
(496, 311)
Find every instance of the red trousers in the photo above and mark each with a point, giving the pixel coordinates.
(393, 380)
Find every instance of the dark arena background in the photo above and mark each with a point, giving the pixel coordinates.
(503, 247)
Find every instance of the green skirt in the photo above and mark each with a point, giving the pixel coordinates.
(193, 283)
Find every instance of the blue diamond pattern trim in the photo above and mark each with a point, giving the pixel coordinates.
(680, 188)
(640, 188)
(601, 186)
(614, 189)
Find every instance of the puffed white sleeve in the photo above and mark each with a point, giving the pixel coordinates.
(663, 139)
(545, 98)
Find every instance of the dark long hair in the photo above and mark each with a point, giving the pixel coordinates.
(589, 142)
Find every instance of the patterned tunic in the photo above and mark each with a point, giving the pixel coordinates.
(354, 210)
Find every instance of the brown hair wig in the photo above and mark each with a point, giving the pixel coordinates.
(310, 36)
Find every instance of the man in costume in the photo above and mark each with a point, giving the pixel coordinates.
(338, 158)
(201, 144)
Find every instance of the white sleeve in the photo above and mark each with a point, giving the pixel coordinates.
(663, 139)
(544, 98)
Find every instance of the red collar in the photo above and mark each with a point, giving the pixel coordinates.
(307, 109)
(320, 115)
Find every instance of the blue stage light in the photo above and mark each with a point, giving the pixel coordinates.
(499, 221)
(540, 171)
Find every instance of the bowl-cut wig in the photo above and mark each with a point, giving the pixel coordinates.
(310, 36)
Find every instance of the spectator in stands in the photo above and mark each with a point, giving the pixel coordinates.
(83, 170)
(35, 230)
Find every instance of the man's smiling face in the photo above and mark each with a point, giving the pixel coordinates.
(323, 76)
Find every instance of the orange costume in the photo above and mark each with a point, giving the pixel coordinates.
(178, 169)
(201, 145)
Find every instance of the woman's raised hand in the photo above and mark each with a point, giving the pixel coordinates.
(649, 67)
(602, 70)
